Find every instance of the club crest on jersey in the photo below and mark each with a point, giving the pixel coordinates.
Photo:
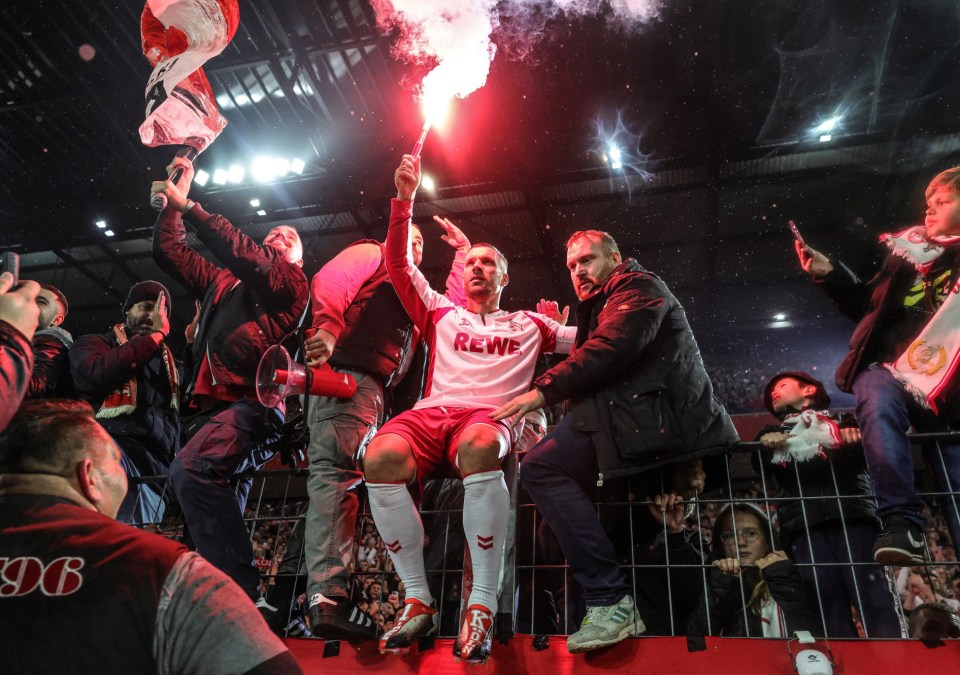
(515, 326)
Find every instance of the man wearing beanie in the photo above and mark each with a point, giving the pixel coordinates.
(131, 378)
(251, 298)
(817, 455)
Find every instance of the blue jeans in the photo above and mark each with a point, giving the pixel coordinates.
(559, 474)
(205, 479)
(885, 411)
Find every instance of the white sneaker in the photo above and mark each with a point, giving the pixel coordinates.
(606, 625)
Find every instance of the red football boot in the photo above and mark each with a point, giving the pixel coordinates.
(475, 641)
(415, 621)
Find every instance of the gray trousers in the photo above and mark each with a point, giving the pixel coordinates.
(339, 430)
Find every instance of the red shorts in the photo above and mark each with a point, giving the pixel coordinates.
(434, 433)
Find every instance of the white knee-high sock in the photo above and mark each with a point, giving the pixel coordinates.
(486, 508)
(399, 524)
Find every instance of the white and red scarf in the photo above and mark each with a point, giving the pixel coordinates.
(929, 364)
(811, 434)
(123, 400)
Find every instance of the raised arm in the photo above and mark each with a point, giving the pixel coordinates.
(170, 249)
(412, 288)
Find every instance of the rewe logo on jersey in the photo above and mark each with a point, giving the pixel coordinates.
(490, 344)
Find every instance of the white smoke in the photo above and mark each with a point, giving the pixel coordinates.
(458, 38)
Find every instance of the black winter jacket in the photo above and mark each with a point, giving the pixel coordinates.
(724, 603)
(814, 479)
(99, 365)
(635, 379)
(871, 304)
(248, 305)
(51, 365)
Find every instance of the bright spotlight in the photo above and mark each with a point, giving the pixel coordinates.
(261, 212)
(428, 183)
(826, 138)
(827, 125)
(109, 233)
(262, 169)
(616, 158)
(780, 317)
(220, 177)
(280, 166)
(297, 166)
(201, 178)
(235, 174)
(101, 224)
(254, 203)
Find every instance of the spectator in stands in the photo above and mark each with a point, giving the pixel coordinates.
(751, 589)
(51, 363)
(18, 322)
(934, 621)
(360, 328)
(816, 455)
(89, 595)
(248, 304)
(132, 379)
(640, 399)
(902, 361)
(480, 357)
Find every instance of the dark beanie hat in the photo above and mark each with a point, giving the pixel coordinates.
(821, 401)
(146, 290)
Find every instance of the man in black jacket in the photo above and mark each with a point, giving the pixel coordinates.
(635, 372)
(249, 304)
(902, 361)
(816, 455)
(131, 378)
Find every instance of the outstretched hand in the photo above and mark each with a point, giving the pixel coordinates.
(668, 510)
(519, 406)
(454, 235)
(551, 310)
(813, 262)
(176, 193)
(18, 306)
(159, 317)
(407, 177)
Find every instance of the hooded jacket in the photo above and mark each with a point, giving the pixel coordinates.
(635, 379)
(248, 305)
(51, 364)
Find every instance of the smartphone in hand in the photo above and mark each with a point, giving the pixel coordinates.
(10, 262)
(796, 233)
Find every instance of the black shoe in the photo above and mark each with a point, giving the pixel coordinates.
(900, 543)
(339, 619)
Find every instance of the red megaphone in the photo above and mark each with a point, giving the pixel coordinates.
(279, 376)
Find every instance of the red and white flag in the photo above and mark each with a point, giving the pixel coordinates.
(178, 37)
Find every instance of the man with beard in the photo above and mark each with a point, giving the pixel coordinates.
(130, 377)
(51, 364)
(251, 298)
(640, 399)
